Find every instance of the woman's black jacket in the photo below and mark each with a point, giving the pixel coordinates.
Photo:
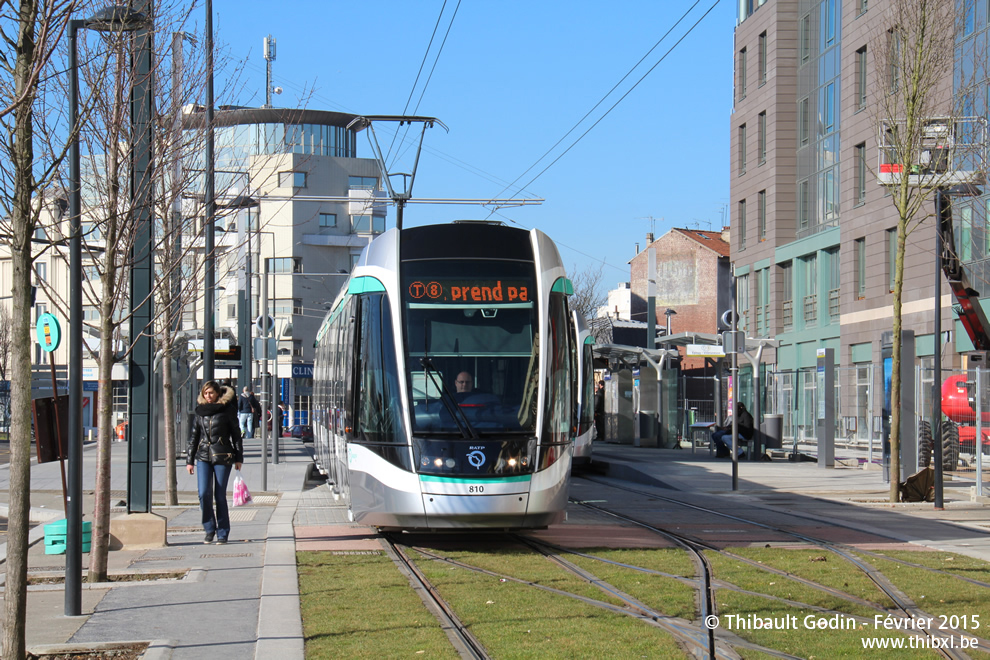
(215, 423)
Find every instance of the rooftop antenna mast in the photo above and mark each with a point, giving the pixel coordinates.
(408, 178)
(269, 58)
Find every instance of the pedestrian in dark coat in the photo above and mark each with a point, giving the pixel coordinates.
(215, 447)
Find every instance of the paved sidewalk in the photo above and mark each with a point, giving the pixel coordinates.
(234, 601)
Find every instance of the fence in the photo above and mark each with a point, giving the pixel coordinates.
(860, 414)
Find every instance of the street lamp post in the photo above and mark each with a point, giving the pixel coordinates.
(110, 19)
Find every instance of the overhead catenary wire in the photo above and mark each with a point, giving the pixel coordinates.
(621, 98)
(601, 100)
(432, 69)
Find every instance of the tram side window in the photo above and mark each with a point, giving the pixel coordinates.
(379, 413)
(559, 379)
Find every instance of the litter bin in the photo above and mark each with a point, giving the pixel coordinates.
(773, 431)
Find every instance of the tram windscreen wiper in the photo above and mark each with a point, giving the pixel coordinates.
(448, 400)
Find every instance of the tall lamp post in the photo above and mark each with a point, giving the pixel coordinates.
(109, 19)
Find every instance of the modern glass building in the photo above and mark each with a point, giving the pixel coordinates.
(813, 233)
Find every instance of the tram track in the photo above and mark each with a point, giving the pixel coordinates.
(910, 610)
(466, 644)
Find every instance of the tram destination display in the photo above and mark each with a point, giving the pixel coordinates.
(471, 291)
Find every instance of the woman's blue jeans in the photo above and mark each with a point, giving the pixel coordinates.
(212, 479)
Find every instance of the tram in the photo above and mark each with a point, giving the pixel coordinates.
(586, 391)
(445, 392)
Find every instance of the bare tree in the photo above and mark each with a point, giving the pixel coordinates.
(6, 333)
(589, 295)
(30, 33)
(914, 105)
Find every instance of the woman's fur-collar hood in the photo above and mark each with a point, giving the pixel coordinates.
(227, 395)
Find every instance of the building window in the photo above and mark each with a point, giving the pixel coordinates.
(288, 306)
(894, 37)
(328, 220)
(91, 273)
(742, 74)
(90, 231)
(41, 271)
(861, 78)
(834, 284)
(968, 17)
(810, 303)
(231, 307)
(830, 195)
(860, 246)
(362, 182)
(828, 109)
(804, 118)
(742, 301)
(860, 194)
(787, 296)
(742, 224)
(891, 235)
(762, 301)
(762, 153)
(802, 209)
(763, 58)
(285, 265)
(761, 210)
(363, 224)
(292, 179)
(742, 149)
(804, 38)
(828, 20)
(354, 260)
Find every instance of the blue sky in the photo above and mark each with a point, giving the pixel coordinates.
(512, 79)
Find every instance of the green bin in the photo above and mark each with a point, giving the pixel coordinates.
(55, 537)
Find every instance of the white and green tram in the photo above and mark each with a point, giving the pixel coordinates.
(446, 381)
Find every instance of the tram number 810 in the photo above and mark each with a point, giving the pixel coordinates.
(476, 489)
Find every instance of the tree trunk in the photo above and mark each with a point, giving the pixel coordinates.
(22, 228)
(100, 537)
(895, 373)
(168, 397)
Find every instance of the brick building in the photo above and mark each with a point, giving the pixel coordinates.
(692, 279)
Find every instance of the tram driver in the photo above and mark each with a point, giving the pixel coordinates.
(464, 386)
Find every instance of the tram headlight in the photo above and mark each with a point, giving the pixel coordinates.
(425, 461)
(512, 462)
(524, 460)
(438, 462)
(451, 463)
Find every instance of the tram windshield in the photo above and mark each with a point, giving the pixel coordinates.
(470, 344)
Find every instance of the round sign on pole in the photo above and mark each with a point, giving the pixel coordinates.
(259, 323)
(49, 332)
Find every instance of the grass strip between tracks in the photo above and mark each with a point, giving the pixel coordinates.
(360, 606)
(514, 620)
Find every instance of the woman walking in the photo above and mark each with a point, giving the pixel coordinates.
(214, 448)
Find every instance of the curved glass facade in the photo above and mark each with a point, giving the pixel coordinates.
(236, 144)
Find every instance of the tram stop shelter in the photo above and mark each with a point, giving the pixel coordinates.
(640, 395)
(641, 388)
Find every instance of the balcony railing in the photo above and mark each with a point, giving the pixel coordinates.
(787, 315)
(833, 304)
